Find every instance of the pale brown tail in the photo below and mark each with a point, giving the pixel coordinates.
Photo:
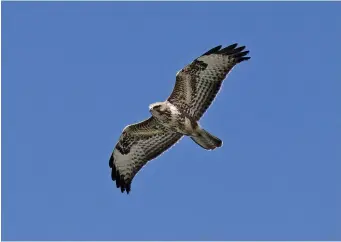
(207, 140)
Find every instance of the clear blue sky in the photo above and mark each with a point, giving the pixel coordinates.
(75, 74)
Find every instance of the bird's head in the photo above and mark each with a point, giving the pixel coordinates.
(157, 108)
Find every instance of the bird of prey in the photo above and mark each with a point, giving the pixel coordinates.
(195, 88)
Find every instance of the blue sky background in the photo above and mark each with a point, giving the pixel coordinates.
(75, 74)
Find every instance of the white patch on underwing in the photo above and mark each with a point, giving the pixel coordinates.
(174, 110)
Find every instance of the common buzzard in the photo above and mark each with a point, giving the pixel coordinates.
(195, 88)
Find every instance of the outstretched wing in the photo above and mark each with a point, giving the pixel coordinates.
(199, 82)
(138, 144)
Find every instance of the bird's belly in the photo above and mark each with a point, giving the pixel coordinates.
(179, 124)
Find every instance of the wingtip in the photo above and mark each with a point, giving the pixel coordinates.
(228, 49)
(243, 59)
(238, 53)
(212, 51)
(232, 50)
(125, 188)
(113, 167)
(128, 189)
(219, 143)
(123, 185)
(111, 161)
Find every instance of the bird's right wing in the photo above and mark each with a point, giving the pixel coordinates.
(138, 144)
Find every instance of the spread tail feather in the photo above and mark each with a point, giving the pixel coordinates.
(206, 140)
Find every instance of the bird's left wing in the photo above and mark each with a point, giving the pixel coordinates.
(138, 144)
(198, 83)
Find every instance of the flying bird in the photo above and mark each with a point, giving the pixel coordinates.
(195, 88)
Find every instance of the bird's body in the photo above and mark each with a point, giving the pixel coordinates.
(196, 87)
(172, 118)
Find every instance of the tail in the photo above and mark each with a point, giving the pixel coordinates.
(207, 140)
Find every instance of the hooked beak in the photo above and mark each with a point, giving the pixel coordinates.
(150, 108)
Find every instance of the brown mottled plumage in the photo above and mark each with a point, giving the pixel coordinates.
(195, 88)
